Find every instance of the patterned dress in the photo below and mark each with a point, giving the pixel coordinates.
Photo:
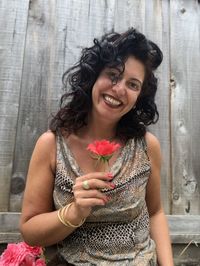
(115, 234)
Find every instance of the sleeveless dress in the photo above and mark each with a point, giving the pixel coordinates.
(116, 234)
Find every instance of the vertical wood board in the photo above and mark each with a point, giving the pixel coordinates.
(35, 93)
(13, 20)
(157, 29)
(185, 67)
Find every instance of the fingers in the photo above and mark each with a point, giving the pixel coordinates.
(90, 198)
(91, 202)
(87, 189)
(93, 184)
(97, 180)
(95, 175)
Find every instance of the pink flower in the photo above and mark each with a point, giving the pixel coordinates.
(12, 256)
(29, 260)
(21, 254)
(36, 251)
(40, 262)
(103, 149)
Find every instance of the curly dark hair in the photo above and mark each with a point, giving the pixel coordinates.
(112, 50)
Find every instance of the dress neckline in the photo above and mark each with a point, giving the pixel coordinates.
(114, 168)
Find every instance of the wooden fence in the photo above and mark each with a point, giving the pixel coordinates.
(40, 39)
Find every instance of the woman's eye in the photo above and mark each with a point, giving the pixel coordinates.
(134, 86)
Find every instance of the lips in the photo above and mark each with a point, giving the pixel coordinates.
(111, 101)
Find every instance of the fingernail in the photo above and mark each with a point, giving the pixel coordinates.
(110, 175)
(112, 185)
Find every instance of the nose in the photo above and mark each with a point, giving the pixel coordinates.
(119, 88)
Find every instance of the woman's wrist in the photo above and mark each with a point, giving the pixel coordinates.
(73, 214)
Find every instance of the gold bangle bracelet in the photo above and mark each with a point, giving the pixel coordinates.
(64, 212)
(61, 212)
(60, 218)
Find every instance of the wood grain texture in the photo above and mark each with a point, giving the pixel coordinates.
(35, 89)
(185, 126)
(13, 20)
(157, 29)
(9, 227)
(184, 228)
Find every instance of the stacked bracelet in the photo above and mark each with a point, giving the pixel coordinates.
(62, 212)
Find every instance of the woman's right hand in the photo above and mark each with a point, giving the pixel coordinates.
(87, 192)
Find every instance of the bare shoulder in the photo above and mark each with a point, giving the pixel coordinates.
(47, 139)
(46, 142)
(153, 146)
(153, 186)
(151, 140)
(45, 147)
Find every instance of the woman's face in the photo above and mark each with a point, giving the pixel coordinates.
(113, 96)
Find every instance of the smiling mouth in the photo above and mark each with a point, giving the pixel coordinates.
(112, 101)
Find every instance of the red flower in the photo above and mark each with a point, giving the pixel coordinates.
(103, 149)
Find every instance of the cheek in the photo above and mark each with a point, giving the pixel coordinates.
(133, 98)
(100, 85)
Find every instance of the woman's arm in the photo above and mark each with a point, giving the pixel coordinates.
(158, 224)
(39, 223)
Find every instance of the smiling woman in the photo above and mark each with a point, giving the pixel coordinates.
(97, 216)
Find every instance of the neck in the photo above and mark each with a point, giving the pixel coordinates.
(97, 130)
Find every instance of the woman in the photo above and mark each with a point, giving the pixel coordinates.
(102, 216)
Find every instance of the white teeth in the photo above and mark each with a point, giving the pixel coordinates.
(112, 100)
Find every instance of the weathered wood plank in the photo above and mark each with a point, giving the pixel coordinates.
(13, 20)
(157, 28)
(9, 227)
(9, 222)
(185, 67)
(184, 228)
(35, 92)
(8, 237)
(129, 14)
